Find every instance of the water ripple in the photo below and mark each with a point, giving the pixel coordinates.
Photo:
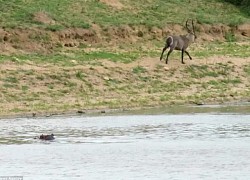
(25, 130)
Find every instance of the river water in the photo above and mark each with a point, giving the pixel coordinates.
(187, 143)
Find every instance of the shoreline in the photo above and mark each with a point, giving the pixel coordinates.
(128, 110)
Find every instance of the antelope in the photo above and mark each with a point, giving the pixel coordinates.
(180, 43)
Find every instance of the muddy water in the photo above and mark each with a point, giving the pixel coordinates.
(188, 143)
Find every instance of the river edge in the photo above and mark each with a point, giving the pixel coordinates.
(116, 87)
(228, 106)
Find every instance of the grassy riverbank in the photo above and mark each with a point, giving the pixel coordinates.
(66, 82)
(78, 60)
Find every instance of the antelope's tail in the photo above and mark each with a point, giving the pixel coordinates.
(169, 41)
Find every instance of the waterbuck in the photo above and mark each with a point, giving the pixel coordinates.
(180, 43)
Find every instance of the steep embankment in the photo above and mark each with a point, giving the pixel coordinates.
(35, 40)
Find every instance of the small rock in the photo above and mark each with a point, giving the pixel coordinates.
(80, 112)
(166, 68)
(106, 78)
(199, 103)
(6, 38)
(140, 34)
(74, 61)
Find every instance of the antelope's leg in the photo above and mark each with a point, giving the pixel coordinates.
(188, 55)
(163, 50)
(182, 54)
(169, 52)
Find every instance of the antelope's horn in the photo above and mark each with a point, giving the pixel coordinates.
(193, 26)
(187, 26)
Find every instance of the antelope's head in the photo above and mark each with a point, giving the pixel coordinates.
(191, 32)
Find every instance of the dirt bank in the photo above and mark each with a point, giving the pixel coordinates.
(39, 40)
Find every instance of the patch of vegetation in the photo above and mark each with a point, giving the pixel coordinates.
(139, 70)
(213, 83)
(11, 80)
(115, 57)
(40, 37)
(244, 5)
(25, 88)
(71, 84)
(80, 75)
(230, 37)
(40, 77)
(113, 81)
(247, 70)
(54, 28)
(231, 81)
(231, 49)
(50, 86)
(144, 78)
(223, 83)
(8, 85)
(201, 71)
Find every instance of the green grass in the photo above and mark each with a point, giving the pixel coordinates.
(11, 80)
(223, 83)
(82, 13)
(113, 56)
(25, 88)
(139, 70)
(231, 49)
(39, 37)
(68, 59)
(230, 37)
(132, 53)
(54, 28)
(80, 75)
(247, 70)
(201, 71)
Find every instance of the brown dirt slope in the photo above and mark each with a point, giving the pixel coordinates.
(45, 41)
